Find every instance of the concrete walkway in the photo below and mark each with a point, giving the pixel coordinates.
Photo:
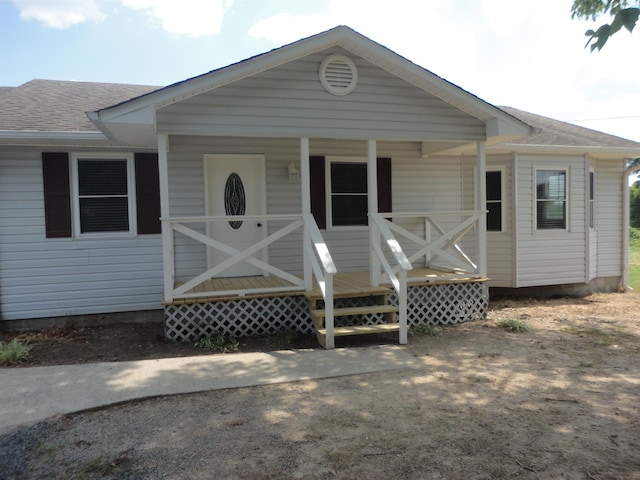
(31, 394)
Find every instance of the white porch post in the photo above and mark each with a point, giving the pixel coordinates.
(167, 232)
(372, 196)
(305, 187)
(481, 201)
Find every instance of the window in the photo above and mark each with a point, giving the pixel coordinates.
(346, 204)
(103, 195)
(591, 200)
(494, 201)
(101, 191)
(348, 192)
(551, 199)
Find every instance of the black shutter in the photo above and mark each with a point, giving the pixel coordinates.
(317, 190)
(384, 185)
(57, 194)
(147, 193)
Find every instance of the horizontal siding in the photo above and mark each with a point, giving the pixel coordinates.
(609, 219)
(42, 277)
(418, 184)
(290, 101)
(551, 257)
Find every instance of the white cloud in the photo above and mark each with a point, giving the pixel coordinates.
(194, 18)
(284, 28)
(59, 13)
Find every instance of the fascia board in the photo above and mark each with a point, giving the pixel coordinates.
(505, 147)
(569, 149)
(40, 135)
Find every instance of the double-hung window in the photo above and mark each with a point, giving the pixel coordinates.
(348, 193)
(104, 194)
(551, 199)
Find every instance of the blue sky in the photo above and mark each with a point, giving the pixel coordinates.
(503, 51)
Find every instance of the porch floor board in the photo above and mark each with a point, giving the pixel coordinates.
(345, 284)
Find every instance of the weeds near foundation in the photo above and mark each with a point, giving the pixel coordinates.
(283, 338)
(425, 330)
(14, 352)
(513, 325)
(219, 342)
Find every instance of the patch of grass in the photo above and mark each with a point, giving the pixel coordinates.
(425, 330)
(602, 337)
(634, 259)
(513, 325)
(219, 342)
(14, 352)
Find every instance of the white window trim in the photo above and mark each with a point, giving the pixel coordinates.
(566, 170)
(591, 202)
(503, 197)
(328, 194)
(75, 198)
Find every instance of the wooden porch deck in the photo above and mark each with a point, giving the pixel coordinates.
(345, 284)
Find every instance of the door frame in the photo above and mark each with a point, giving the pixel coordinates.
(260, 170)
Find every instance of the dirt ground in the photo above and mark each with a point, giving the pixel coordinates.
(560, 401)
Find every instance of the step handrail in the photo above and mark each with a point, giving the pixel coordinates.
(318, 262)
(399, 282)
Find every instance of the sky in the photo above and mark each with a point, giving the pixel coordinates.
(520, 53)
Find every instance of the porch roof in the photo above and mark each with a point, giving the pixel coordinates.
(134, 119)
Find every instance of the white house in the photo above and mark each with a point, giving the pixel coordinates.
(328, 185)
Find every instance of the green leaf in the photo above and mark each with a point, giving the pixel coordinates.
(629, 17)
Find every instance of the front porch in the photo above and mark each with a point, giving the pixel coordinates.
(394, 268)
(434, 297)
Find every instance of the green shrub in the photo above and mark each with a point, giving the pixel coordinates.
(14, 352)
(513, 325)
(219, 342)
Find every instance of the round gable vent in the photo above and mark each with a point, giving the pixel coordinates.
(338, 74)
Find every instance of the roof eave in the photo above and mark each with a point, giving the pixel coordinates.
(53, 135)
(568, 149)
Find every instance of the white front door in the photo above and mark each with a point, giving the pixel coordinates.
(235, 185)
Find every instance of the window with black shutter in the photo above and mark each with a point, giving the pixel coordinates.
(103, 191)
(344, 184)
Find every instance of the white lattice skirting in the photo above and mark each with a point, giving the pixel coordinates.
(432, 305)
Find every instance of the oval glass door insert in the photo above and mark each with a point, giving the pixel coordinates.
(235, 201)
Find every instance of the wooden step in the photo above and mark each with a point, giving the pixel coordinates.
(356, 330)
(362, 329)
(342, 312)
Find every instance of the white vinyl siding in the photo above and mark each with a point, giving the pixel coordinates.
(289, 101)
(42, 277)
(609, 219)
(551, 257)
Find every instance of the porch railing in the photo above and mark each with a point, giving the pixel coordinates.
(398, 277)
(441, 247)
(317, 259)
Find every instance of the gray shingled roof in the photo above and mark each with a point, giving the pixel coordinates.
(60, 106)
(557, 133)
